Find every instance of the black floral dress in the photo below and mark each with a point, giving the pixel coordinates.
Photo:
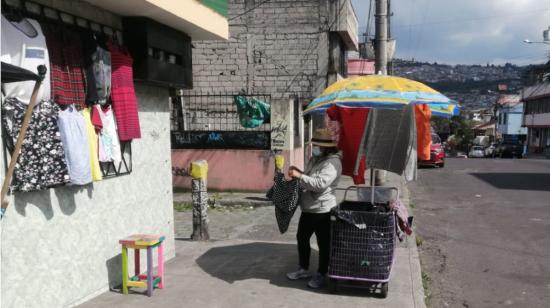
(41, 164)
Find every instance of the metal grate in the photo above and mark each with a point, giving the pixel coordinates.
(364, 251)
(110, 169)
(211, 121)
(213, 112)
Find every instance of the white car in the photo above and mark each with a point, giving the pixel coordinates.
(477, 152)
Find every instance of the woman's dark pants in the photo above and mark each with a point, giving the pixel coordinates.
(320, 225)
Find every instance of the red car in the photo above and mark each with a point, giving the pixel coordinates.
(437, 154)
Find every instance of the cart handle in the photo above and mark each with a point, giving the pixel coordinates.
(373, 187)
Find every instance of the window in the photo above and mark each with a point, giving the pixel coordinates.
(505, 121)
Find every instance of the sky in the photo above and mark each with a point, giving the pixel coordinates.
(466, 31)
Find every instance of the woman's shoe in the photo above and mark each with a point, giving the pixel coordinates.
(299, 274)
(318, 281)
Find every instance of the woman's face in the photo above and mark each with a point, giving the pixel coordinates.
(317, 151)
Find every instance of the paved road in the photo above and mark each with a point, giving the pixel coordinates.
(485, 225)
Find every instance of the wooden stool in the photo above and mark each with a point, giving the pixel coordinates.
(149, 281)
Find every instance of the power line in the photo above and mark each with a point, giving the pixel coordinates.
(369, 19)
(249, 10)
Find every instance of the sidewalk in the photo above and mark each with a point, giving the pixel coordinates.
(245, 265)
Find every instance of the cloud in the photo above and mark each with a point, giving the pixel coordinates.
(467, 31)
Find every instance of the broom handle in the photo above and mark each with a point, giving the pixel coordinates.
(20, 139)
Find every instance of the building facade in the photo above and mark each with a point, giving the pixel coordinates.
(508, 113)
(280, 52)
(360, 67)
(536, 112)
(59, 246)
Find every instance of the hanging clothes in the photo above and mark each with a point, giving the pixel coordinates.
(66, 65)
(423, 115)
(24, 45)
(391, 141)
(109, 146)
(284, 195)
(123, 95)
(92, 141)
(41, 164)
(252, 112)
(97, 63)
(352, 125)
(74, 136)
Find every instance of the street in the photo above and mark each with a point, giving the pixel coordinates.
(483, 229)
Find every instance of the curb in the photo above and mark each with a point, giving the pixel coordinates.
(226, 201)
(414, 257)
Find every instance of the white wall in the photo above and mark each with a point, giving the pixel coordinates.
(60, 246)
(514, 121)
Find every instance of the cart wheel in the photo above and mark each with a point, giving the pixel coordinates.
(384, 290)
(332, 285)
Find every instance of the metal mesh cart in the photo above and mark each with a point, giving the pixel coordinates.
(363, 238)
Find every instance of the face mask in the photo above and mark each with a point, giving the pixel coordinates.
(316, 151)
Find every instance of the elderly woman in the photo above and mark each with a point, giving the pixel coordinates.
(318, 181)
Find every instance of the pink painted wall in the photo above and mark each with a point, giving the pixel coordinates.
(234, 170)
(360, 67)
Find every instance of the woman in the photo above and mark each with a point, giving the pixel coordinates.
(318, 182)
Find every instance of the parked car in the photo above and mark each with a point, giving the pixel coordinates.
(437, 154)
(509, 149)
(477, 151)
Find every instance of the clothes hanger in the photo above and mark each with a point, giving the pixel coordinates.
(18, 20)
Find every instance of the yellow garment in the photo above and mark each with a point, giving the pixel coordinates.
(92, 140)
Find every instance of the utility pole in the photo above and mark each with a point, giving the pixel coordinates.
(380, 59)
(381, 37)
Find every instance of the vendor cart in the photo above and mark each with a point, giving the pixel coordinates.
(363, 239)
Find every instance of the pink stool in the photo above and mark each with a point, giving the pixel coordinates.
(149, 281)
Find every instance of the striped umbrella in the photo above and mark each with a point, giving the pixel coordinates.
(380, 91)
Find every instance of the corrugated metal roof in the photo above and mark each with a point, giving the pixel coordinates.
(489, 124)
(508, 100)
(536, 91)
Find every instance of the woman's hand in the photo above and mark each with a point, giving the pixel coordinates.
(293, 172)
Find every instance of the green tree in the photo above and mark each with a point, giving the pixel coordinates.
(441, 125)
(463, 132)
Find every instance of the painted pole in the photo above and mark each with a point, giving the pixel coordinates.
(199, 172)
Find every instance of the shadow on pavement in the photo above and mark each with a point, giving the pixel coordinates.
(516, 181)
(269, 261)
(258, 260)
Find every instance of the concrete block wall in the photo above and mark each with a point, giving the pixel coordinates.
(277, 48)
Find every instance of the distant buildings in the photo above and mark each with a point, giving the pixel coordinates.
(508, 113)
(467, 84)
(536, 114)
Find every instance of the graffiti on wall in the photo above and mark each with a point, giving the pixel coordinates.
(253, 140)
(180, 171)
(279, 134)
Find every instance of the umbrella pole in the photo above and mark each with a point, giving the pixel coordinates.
(372, 185)
(18, 145)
